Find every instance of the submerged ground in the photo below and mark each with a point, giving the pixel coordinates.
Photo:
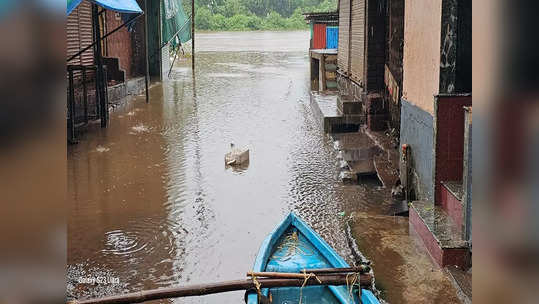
(153, 204)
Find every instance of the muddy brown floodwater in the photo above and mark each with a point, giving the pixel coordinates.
(152, 204)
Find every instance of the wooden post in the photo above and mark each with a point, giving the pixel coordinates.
(147, 74)
(322, 72)
(193, 36)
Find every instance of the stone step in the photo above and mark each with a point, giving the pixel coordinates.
(439, 234)
(348, 106)
(324, 107)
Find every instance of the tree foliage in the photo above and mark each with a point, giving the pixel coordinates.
(241, 15)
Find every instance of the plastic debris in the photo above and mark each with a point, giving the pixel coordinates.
(236, 156)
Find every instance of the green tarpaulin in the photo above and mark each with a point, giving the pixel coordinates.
(174, 20)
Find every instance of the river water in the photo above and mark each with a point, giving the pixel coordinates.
(152, 203)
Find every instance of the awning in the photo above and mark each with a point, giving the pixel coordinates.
(122, 6)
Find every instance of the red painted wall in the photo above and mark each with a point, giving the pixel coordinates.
(449, 140)
(452, 206)
(319, 39)
(119, 44)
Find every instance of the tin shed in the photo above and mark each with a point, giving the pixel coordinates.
(332, 37)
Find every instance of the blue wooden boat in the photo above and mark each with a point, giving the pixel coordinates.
(293, 246)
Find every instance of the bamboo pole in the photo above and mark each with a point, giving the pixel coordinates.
(193, 36)
(212, 288)
(360, 269)
(291, 275)
(277, 275)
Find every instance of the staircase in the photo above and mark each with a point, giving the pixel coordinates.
(333, 115)
(438, 231)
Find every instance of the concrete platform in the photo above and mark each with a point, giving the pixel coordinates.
(358, 151)
(325, 110)
(462, 280)
(439, 234)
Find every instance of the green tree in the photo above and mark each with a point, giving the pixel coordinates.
(257, 14)
(237, 23)
(218, 22)
(203, 18)
(234, 7)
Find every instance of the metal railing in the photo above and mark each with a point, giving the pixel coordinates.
(90, 111)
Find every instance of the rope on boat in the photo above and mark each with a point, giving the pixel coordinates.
(257, 286)
(306, 278)
(350, 283)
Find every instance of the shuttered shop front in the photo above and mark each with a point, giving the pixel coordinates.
(357, 45)
(344, 26)
(79, 35)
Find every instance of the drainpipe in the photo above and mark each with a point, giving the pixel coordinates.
(405, 171)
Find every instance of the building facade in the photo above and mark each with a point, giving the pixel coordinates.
(436, 86)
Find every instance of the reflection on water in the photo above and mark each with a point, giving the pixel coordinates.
(156, 206)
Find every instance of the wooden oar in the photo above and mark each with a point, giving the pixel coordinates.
(319, 271)
(211, 288)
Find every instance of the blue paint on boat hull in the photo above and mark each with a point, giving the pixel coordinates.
(293, 246)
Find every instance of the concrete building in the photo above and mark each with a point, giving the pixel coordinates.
(409, 64)
(361, 56)
(436, 88)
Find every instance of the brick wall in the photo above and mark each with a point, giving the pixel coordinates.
(118, 45)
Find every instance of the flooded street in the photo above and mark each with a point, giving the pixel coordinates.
(152, 204)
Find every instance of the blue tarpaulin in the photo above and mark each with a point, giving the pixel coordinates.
(122, 6)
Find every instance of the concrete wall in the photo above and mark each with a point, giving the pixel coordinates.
(421, 62)
(417, 130)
